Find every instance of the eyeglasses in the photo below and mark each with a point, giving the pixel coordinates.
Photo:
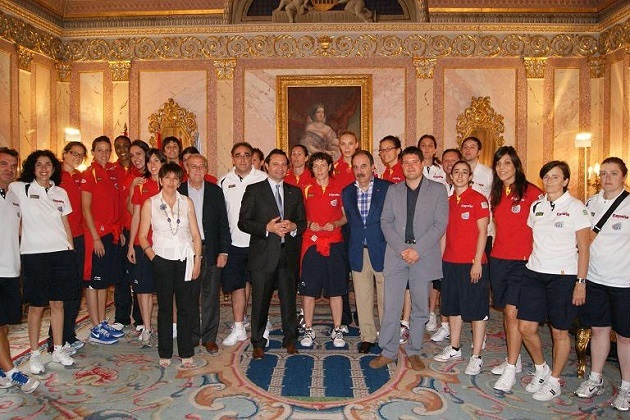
(76, 154)
(242, 156)
(387, 149)
(196, 167)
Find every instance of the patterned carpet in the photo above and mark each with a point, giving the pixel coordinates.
(124, 381)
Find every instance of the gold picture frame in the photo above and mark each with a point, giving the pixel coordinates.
(347, 103)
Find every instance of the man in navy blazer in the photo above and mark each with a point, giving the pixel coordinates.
(363, 203)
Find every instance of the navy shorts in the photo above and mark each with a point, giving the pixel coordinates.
(50, 276)
(462, 297)
(327, 274)
(437, 284)
(140, 274)
(548, 297)
(108, 269)
(606, 306)
(10, 301)
(506, 280)
(235, 273)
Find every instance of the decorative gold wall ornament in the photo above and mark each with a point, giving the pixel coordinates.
(424, 67)
(482, 121)
(324, 44)
(25, 57)
(597, 66)
(173, 120)
(535, 67)
(63, 71)
(225, 68)
(120, 70)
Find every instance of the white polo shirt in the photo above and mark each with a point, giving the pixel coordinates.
(435, 173)
(233, 187)
(554, 227)
(482, 182)
(42, 225)
(609, 262)
(10, 228)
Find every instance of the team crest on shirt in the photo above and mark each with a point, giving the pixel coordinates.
(465, 215)
(516, 208)
(617, 226)
(558, 225)
(333, 202)
(484, 205)
(585, 213)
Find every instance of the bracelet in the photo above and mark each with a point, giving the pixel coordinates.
(145, 248)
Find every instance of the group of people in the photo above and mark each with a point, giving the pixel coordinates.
(425, 231)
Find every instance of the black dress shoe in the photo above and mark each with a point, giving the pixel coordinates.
(365, 347)
(259, 353)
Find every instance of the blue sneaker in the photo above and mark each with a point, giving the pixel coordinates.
(26, 384)
(111, 330)
(5, 381)
(101, 336)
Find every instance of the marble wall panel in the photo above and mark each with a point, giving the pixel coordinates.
(92, 105)
(597, 120)
(5, 99)
(616, 108)
(43, 106)
(535, 119)
(120, 98)
(566, 122)
(28, 140)
(224, 138)
(424, 110)
(62, 102)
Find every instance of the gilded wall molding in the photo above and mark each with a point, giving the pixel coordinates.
(597, 66)
(535, 67)
(120, 70)
(64, 70)
(424, 67)
(225, 68)
(25, 57)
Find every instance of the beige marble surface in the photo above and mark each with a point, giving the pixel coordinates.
(120, 98)
(43, 106)
(535, 119)
(5, 98)
(91, 110)
(224, 137)
(27, 131)
(566, 121)
(62, 102)
(424, 110)
(616, 108)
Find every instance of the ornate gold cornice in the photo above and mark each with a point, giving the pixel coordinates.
(225, 68)
(424, 67)
(597, 66)
(120, 70)
(25, 57)
(63, 71)
(535, 67)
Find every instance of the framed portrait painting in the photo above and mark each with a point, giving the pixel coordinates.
(313, 110)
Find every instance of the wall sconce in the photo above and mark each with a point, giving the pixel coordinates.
(72, 134)
(584, 141)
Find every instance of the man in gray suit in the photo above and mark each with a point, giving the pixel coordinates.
(413, 221)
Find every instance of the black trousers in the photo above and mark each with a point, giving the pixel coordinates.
(123, 298)
(207, 288)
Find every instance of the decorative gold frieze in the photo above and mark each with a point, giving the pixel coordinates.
(324, 42)
(120, 70)
(597, 65)
(63, 71)
(535, 67)
(225, 68)
(424, 67)
(25, 57)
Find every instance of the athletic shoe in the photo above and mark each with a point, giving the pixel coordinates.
(111, 330)
(26, 384)
(474, 365)
(432, 325)
(622, 402)
(344, 329)
(309, 337)
(237, 334)
(337, 337)
(5, 381)
(507, 379)
(404, 334)
(268, 328)
(540, 377)
(589, 388)
(300, 321)
(443, 333)
(139, 328)
(498, 370)
(70, 351)
(77, 344)
(145, 337)
(174, 330)
(548, 391)
(118, 326)
(102, 336)
(35, 364)
(247, 324)
(448, 354)
(60, 356)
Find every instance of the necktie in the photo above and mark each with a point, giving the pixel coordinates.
(279, 201)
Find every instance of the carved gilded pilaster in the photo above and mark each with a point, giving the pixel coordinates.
(25, 57)
(63, 71)
(535, 67)
(596, 64)
(225, 68)
(424, 67)
(120, 70)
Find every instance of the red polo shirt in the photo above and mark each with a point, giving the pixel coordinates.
(343, 173)
(142, 193)
(299, 181)
(125, 193)
(462, 231)
(72, 184)
(394, 174)
(103, 183)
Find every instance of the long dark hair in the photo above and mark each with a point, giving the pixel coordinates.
(161, 157)
(28, 167)
(520, 180)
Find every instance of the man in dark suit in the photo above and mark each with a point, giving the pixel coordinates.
(215, 235)
(272, 212)
(363, 204)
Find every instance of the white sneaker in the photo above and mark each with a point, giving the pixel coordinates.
(5, 381)
(498, 370)
(474, 365)
(118, 326)
(337, 337)
(145, 337)
(507, 379)
(443, 333)
(539, 379)
(344, 329)
(309, 337)
(247, 324)
(35, 364)
(622, 402)
(448, 354)
(70, 351)
(589, 388)
(60, 356)
(404, 334)
(237, 334)
(547, 392)
(139, 328)
(432, 325)
(174, 330)
(266, 333)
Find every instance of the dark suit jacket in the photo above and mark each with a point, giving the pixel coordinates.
(371, 232)
(216, 230)
(257, 209)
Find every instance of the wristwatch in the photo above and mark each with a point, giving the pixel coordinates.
(581, 281)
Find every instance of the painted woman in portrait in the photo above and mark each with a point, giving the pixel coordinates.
(319, 136)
